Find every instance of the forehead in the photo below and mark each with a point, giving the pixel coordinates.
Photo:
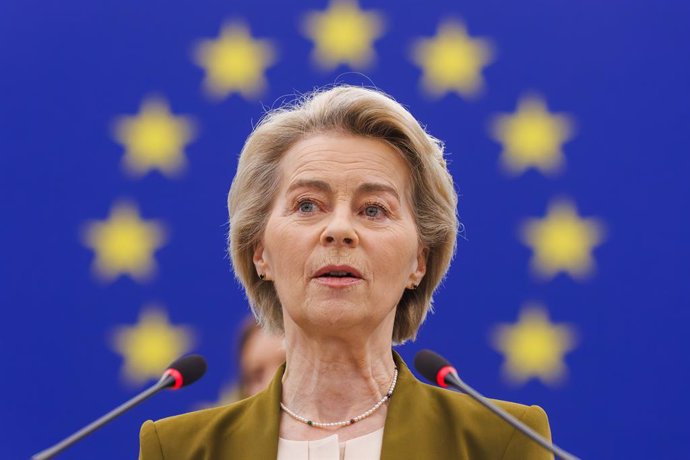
(335, 157)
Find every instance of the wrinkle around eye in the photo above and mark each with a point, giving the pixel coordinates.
(301, 202)
(301, 207)
(381, 214)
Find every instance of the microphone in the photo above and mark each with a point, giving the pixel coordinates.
(438, 370)
(182, 372)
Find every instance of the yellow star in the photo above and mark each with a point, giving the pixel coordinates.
(343, 34)
(562, 241)
(452, 61)
(532, 137)
(534, 347)
(124, 244)
(234, 62)
(150, 345)
(154, 139)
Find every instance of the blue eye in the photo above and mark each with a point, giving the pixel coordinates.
(307, 207)
(373, 211)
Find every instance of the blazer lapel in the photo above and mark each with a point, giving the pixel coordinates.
(411, 430)
(257, 430)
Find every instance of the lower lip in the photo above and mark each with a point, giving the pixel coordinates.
(337, 282)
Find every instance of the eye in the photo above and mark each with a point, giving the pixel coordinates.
(306, 206)
(374, 211)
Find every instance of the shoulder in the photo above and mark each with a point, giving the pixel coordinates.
(441, 423)
(225, 416)
(461, 404)
(187, 435)
(245, 429)
(478, 427)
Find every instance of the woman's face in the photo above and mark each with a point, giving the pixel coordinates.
(341, 243)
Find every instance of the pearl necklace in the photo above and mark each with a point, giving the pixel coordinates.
(362, 416)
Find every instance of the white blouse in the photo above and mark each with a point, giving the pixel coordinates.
(367, 447)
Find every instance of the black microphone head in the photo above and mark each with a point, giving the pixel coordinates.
(186, 370)
(429, 363)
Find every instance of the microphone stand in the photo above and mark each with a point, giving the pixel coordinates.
(164, 382)
(452, 379)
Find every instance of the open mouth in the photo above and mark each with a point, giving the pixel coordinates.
(338, 275)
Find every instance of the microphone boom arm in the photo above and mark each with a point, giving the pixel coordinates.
(50, 452)
(455, 381)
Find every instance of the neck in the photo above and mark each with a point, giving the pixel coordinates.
(331, 379)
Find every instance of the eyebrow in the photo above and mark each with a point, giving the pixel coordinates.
(367, 187)
(371, 187)
(310, 183)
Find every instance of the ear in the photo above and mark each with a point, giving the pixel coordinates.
(418, 274)
(259, 260)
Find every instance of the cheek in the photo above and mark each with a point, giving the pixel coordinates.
(397, 250)
(282, 248)
(287, 248)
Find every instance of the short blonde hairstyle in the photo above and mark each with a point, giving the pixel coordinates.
(360, 112)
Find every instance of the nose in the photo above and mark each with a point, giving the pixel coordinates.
(340, 230)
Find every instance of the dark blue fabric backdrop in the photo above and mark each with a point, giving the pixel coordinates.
(603, 351)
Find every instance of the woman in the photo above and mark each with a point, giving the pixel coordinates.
(342, 224)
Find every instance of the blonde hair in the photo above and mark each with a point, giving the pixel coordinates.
(360, 112)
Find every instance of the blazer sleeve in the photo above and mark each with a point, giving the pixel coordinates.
(520, 446)
(149, 444)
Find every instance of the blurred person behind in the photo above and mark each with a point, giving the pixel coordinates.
(259, 355)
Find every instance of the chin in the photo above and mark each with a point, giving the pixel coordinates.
(336, 315)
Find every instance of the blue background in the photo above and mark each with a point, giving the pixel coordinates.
(620, 68)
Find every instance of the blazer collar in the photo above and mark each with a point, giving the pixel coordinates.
(403, 418)
(257, 433)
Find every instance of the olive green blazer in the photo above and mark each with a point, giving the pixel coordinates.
(423, 422)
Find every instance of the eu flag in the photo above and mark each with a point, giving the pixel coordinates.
(567, 130)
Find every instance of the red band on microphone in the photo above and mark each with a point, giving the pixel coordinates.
(441, 376)
(174, 373)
